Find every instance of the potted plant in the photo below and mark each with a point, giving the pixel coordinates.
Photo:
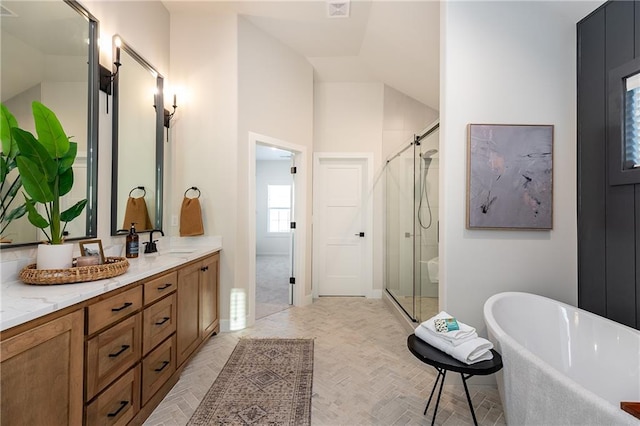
(45, 167)
(10, 183)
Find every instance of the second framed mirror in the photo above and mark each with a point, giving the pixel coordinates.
(138, 151)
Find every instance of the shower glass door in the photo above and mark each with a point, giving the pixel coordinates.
(411, 225)
(400, 246)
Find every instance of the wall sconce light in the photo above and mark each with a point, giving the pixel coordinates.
(168, 116)
(107, 77)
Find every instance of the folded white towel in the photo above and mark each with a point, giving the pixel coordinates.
(455, 337)
(469, 352)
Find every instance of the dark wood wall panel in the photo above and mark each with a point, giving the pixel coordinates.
(621, 241)
(608, 216)
(621, 271)
(591, 168)
(619, 33)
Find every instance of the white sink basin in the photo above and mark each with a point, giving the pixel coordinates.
(181, 250)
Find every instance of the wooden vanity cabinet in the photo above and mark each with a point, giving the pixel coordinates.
(41, 381)
(112, 359)
(198, 305)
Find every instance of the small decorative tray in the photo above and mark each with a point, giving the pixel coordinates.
(112, 267)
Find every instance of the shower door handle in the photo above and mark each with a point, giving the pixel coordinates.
(359, 234)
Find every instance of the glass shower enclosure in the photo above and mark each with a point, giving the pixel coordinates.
(411, 226)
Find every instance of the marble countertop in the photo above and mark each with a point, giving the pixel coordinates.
(20, 303)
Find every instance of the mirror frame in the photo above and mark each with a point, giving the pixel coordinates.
(159, 164)
(91, 210)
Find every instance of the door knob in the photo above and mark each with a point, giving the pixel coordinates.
(359, 234)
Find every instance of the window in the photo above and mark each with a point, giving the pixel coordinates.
(279, 207)
(632, 123)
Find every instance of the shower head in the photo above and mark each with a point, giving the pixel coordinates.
(428, 154)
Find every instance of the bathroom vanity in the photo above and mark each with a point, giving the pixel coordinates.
(106, 352)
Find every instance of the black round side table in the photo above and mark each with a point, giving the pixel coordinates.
(443, 363)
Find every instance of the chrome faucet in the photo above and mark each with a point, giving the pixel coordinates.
(150, 246)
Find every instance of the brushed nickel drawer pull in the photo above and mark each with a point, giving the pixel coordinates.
(125, 306)
(122, 405)
(165, 319)
(167, 285)
(164, 365)
(122, 349)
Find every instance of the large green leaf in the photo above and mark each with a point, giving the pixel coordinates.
(67, 161)
(65, 183)
(34, 151)
(35, 218)
(7, 122)
(16, 213)
(34, 181)
(49, 130)
(72, 212)
(4, 169)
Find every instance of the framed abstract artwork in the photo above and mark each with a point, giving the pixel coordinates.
(510, 177)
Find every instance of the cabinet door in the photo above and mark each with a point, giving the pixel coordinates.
(209, 294)
(188, 327)
(42, 369)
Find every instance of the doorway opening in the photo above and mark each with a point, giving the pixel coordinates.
(297, 281)
(274, 233)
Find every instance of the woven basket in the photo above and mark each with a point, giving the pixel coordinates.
(112, 267)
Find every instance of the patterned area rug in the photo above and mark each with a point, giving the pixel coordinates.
(265, 381)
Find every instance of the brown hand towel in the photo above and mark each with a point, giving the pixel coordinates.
(136, 212)
(191, 218)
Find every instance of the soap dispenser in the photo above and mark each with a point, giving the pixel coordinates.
(132, 246)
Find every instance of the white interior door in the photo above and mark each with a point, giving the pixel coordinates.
(340, 227)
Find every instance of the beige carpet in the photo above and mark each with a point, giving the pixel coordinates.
(265, 381)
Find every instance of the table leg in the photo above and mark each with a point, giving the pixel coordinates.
(435, 411)
(466, 390)
(435, 385)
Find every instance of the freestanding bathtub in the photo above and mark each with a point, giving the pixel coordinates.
(562, 365)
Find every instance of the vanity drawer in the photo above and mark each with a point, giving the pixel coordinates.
(108, 311)
(112, 352)
(160, 287)
(118, 404)
(158, 367)
(159, 321)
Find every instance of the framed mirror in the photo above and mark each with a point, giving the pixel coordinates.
(49, 54)
(138, 151)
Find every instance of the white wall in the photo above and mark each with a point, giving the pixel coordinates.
(270, 173)
(506, 62)
(204, 137)
(367, 117)
(403, 118)
(239, 80)
(348, 117)
(275, 99)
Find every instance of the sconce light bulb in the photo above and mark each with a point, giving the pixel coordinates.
(118, 42)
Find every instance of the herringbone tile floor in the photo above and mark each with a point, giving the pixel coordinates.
(363, 372)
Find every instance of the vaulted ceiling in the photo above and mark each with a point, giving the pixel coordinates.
(394, 42)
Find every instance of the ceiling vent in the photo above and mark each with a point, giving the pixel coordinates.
(4, 12)
(338, 9)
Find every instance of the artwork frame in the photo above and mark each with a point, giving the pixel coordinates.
(510, 176)
(92, 248)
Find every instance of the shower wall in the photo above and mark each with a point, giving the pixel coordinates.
(411, 227)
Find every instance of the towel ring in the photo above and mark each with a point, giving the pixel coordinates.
(193, 188)
(144, 191)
